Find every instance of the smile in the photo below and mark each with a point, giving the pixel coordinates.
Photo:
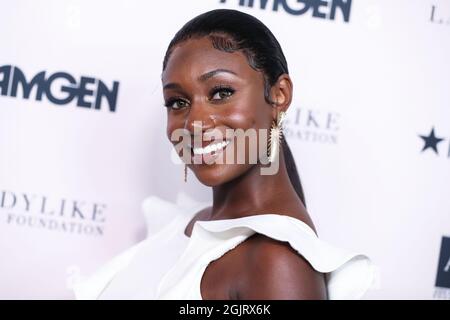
(211, 147)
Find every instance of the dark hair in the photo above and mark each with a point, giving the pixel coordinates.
(232, 30)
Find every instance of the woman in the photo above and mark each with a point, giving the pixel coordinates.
(224, 71)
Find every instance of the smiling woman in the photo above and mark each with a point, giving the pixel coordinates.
(224, 72)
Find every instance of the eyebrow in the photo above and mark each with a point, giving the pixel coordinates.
(202, 78)
(212, 73)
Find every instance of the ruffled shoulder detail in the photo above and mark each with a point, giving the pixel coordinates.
(91, 287)
(159, 212)
(159, 215)
(349, 274)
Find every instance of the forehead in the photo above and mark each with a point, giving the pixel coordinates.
(195, 57)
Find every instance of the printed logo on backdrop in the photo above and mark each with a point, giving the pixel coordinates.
(443, 273)
(312, 125)
(439, 16)
(432, 142)
(322, 9)
(59, 88)
(26, 210)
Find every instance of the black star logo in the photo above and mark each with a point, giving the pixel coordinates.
(431, 141)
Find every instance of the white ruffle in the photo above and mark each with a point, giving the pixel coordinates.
(349, 274)
(92, 287)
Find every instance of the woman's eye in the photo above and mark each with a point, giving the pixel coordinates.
(176, 104)
(222, 94)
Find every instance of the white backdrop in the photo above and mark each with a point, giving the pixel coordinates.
(72, 178)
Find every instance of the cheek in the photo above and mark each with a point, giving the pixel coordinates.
(173, 123)
(249, 111)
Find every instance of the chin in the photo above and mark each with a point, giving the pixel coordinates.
(218, 174)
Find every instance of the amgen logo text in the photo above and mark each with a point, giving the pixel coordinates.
(323, 9)
(60, 88)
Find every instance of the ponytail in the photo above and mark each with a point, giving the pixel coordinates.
(292, 170)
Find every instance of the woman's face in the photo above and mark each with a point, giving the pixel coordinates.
(220, 89)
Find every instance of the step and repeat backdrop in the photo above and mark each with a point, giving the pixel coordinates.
(83, 144)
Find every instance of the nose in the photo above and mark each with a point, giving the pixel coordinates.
(199, 119)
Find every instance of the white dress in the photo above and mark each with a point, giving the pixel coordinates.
(170, 265)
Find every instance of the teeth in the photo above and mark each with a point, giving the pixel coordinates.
(211, 147)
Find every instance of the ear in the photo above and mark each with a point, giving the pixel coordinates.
(281, 93)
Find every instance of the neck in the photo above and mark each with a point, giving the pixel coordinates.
(253, 193)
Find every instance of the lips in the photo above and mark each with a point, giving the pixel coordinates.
(212, 147)
(209, 152)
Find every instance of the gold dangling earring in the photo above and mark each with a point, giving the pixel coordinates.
(185, 172)
(276, 133)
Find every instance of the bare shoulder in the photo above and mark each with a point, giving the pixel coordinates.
(272, 269)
